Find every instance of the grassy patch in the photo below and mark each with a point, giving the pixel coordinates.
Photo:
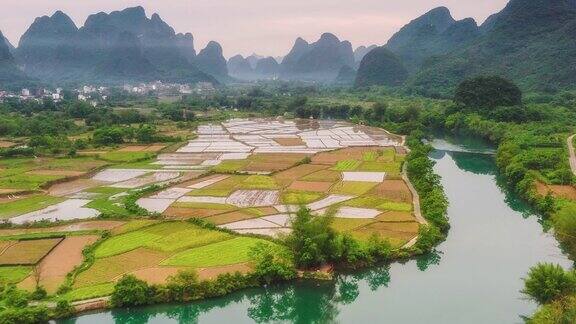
(391, 167)
(349, 224)
(107, 269)
(90, 292)
(355, 188)
(166, 237)
(300, 197)
(117, 156)
(230, 166)
(323, 175)
(14, 274)
(219, 254)
(259, 182)
(395, 206)
(346, 165)
(26, 205)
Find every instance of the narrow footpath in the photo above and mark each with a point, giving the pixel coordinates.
(570, 143)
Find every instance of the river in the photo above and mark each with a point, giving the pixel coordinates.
(473, 277)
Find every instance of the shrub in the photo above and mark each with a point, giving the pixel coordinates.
(130, 291)
(547, 282)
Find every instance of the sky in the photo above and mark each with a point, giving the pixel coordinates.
(266, 27)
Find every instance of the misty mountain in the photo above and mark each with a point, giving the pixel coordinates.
(432, 34)
(532, 42)
(346, 76)
(9, 72)
(319, 61)
(239, 67)
(381, 67)
(210, 60)
(253, 60)
(267, 67)
(361, 51)
(55, 49)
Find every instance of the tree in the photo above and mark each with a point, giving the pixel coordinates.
(487, 92)
(273, 263)
(130, 291)
(312, 238)
(547, 282)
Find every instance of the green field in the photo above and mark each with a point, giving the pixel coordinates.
(294, 197)
(13, 274)
(26, 205)
(166, 237)
(219, 254)
(346, 165)
(352, 188)
(117, 156)
(89, 292)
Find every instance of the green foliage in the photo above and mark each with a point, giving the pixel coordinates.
(548, 282)
(486, 92)
(130, 291)
(272, 263)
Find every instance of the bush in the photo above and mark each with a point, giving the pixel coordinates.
(548, 282)
(272, 263)
(130, 291)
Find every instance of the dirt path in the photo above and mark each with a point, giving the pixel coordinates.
(415, 197)
(570, 142)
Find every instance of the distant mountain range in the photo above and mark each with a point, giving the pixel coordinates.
(532, 42)
(120, 46)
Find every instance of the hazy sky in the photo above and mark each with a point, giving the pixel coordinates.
(267, 27)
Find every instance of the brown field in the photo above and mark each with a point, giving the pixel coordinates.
(74, 227)
(287, 176)
(567, 192)
(402, 232)
(290, 141)
(70, 187)
(395, 190)
(324, 175)
(54, 267)
(230, 217)
(28, 252)
(395, 216)
(6, 144)
(349, 224)
(315, 186)
(112, 268)
(156, 275)
(197, 180)
(142, 148)
(60, 173)
(213, 272)
(265, 211)
(4, 245)
(187, 213)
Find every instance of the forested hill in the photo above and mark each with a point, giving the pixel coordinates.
(9, 72)
(532, 42)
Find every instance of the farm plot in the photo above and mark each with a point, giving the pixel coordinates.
(219, 254)
(27, 252)
(58, 263)
(67, 210)
(166, 237)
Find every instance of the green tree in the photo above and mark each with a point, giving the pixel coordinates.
(130, 291)
(272, 263)
(547, 282)
(487, 92)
